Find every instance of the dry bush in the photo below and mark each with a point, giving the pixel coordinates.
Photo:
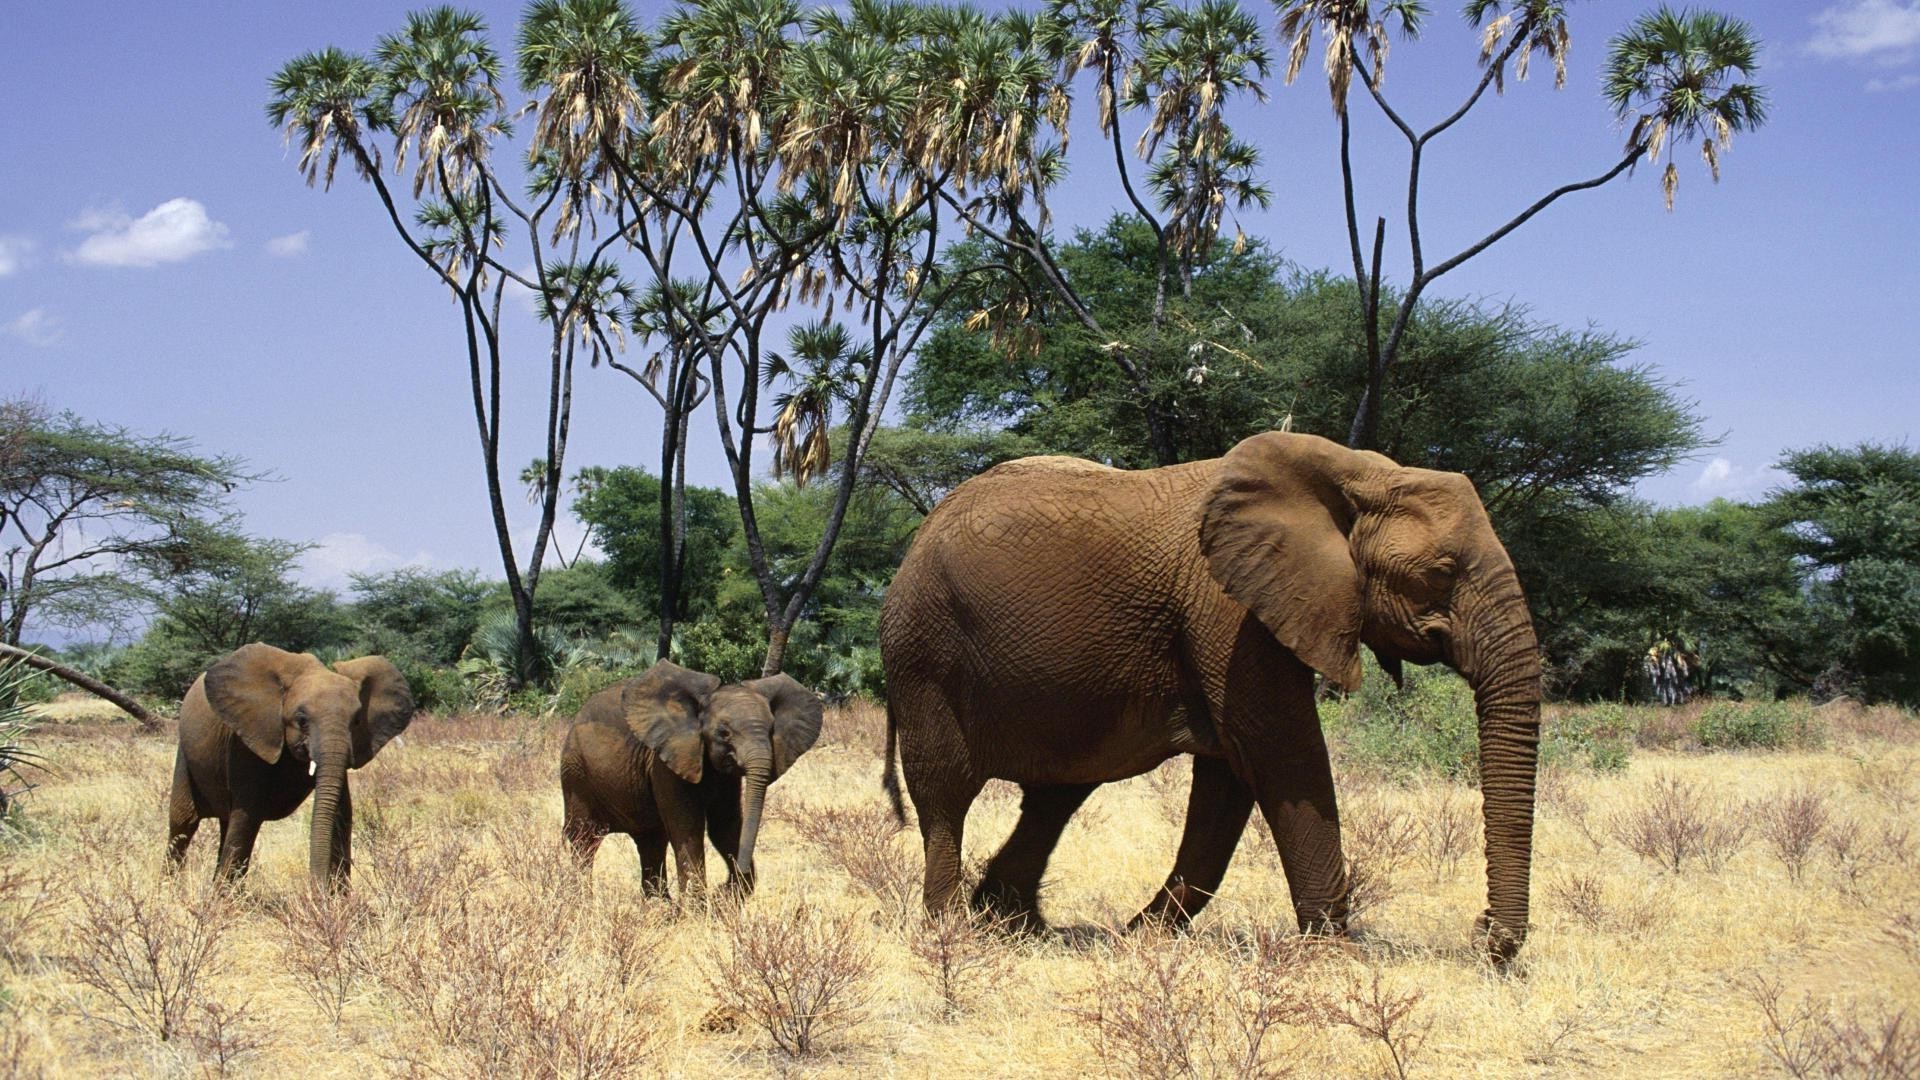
(1858, 856)
(223, 1037)
(1904, 931)
(325, 944)
(858, 724)
(1668, 728)
(1377, 1012)
(1809, 1039)
(1888, 778)
(863, 840)
(1862, 723)
(1157, 1012)
(1791, 825)
(1566, 800)
(1378, 838)
(147, 951)
(26, 901)
(964, 952)
(1581, 896)
(504, 981)
(1676, 822)
(1449, 829)
(798, 975)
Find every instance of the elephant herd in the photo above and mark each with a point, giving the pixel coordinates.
(1057, 624)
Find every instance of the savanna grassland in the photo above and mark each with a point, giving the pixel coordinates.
(1786, 940)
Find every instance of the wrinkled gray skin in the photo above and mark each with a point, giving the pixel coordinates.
(1061, 624)
(672, 754)
(261, 730)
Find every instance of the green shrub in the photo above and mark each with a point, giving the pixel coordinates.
(1761, 725)
(1599, 737)
(1429, 727)
(728, 648)
(581, 681)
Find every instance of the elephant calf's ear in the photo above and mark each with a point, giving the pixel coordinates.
(1275, 534)
(797, 713)
(386, 704)
(247, 689)
(664, 710)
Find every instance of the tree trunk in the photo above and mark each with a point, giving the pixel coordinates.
(91, 685)
(776, 650)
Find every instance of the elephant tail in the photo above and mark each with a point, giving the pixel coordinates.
(890, 776)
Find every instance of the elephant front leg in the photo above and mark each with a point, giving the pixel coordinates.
(652, 849)
(1217, 810)
(1295, 793)
(1010, 886)
(237, 833)
(690, 857)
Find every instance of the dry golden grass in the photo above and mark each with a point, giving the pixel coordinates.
(469, 947)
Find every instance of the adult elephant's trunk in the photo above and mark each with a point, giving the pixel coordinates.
(329, 795)
(753, 799)
(1499, 657)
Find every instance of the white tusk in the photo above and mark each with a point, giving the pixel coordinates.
(399, 740)
(312, 767)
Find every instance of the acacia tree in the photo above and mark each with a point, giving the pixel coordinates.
(92, 515)
(435, 88)
(1671, 77)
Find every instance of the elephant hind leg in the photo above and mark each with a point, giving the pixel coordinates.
(1010, 886)
(183, 814)
(1217, 812)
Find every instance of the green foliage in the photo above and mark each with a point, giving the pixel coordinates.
(1428, 727)
(1763, 725)
(728, 645)
(621, 508)
(15, 727)
(416, 613)
(1599, 737)
(582, 601)
(1852, 517)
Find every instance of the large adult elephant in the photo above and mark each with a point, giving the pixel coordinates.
(1061, 624)
(263, 729)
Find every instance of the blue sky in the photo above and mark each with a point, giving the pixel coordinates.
(163, 266)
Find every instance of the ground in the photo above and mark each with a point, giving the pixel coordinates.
(468, 946)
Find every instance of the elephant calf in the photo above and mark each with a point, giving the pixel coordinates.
(263, 728)
(662, 758)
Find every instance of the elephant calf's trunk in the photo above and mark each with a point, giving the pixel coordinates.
(753, 801)
(327, 857)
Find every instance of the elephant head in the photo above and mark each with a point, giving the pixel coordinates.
(277, 702)
(1331, 548)
(754, 730)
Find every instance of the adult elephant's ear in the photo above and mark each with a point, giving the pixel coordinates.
(1274, 530)
(386, 705)
(796, 718)
(665, 708)
(247, 689)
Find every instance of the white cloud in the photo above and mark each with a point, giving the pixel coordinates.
(176, 229)
(1722, 479)
(1881, 29)
(13, 253)
(36, 328)
(286, 247)
(337, 555)
(1887, 86)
